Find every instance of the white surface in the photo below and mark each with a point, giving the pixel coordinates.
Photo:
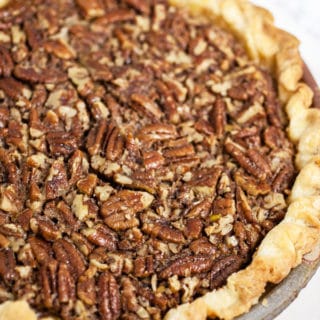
(301, 18)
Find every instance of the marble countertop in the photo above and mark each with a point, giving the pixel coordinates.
(301, 18)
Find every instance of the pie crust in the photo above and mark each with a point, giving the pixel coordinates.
(284, 246)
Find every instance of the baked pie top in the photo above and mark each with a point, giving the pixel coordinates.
(144, 157)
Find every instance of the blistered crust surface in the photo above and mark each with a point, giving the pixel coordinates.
(283, 248)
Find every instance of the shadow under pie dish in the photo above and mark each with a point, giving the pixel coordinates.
(154, 164)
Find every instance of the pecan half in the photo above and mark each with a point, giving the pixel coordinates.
(106, 138)
(222, 268)
(113, 16)
(13, 88)
(100, 235)
(66, 285)
(67, 253)
(164, 232)
(251, 161)
(153, 160)
(115, 144)
(157, 132)
(29, 74)
(109, 297)
(41, 250)
(119, 211)
(283, 178)
(49, 283)
(187, 266)
(250, 185)
(46, 228)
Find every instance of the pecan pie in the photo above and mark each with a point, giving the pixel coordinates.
(155, 161)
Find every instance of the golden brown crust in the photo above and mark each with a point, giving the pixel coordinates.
(16, 310)
(284, 246)
(3, 3)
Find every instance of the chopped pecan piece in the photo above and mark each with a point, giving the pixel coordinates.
(106, 138)
(202, 246)
(217, 117)
(91, 9)
(128, 296)
(86, 289)
(143, 266)
(168, 102)
(98, 70)
(201, 209)
(59, 48)
(34, 35)
(61, 143)
(140, 5)
(243, 206)
(146, 107)
(193, 228)
(87, 184)
(274, 137)
(7, 265)
(96, 137)
(78, 166)
(57, 180)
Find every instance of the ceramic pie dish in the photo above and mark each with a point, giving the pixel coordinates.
(157, 160)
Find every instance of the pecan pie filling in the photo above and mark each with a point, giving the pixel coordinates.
(143, 157)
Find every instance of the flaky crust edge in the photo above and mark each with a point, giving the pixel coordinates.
(284, 246)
